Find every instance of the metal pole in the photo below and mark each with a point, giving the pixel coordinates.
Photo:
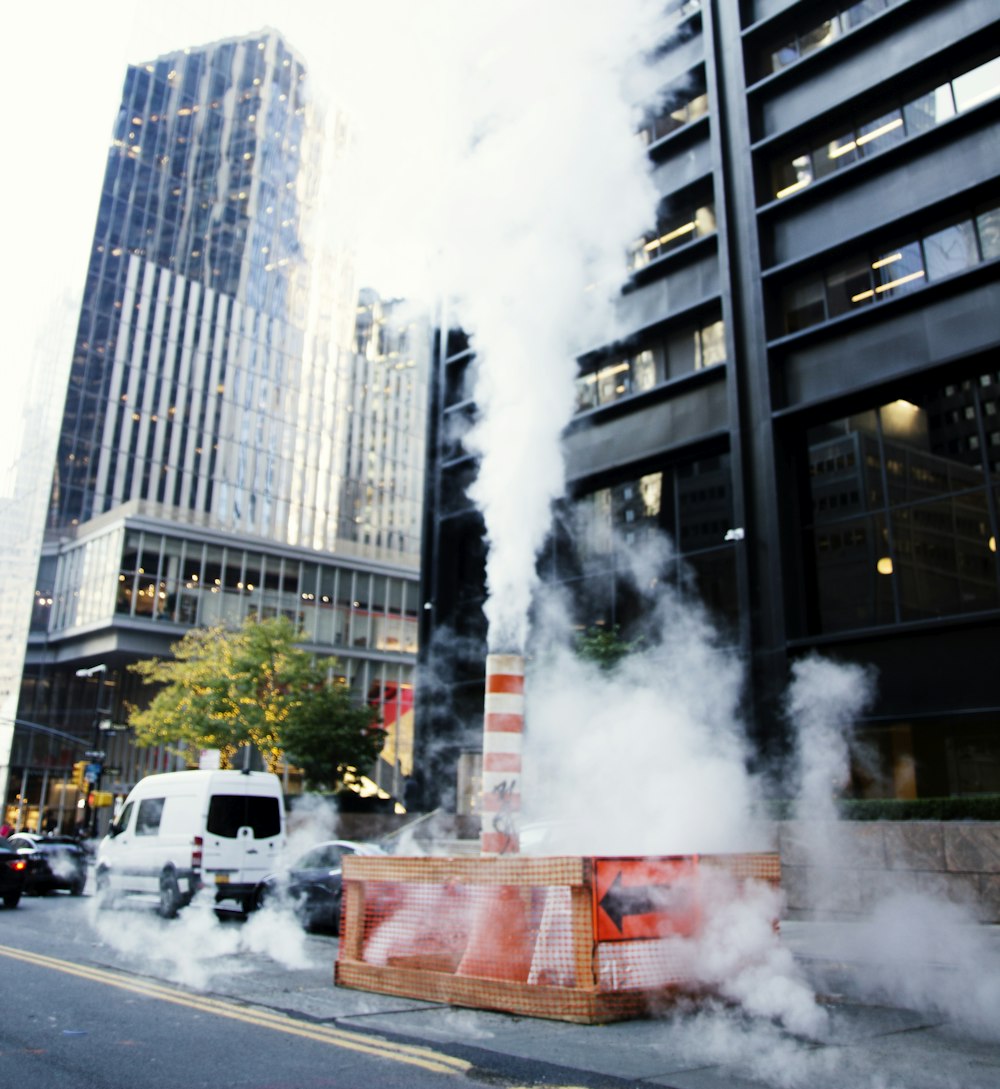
(503, 727)
(89, 811)
(43, 801)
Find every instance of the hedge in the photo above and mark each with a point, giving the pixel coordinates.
(974, 807)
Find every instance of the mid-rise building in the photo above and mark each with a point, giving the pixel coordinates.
(806, 393)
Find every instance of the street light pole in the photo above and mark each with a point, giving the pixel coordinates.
(97, 757)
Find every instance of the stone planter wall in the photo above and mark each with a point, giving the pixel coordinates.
(846, 868)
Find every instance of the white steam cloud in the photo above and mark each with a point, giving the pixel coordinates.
(668, 718)
(554, 188)
(198, 947)
(823, 702)
(649, 758)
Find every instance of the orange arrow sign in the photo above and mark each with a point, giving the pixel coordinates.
(645, 897)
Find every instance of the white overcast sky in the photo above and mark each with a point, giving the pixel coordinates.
(418, 77)
(61, 75)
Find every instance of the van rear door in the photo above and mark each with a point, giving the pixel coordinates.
(243, 837)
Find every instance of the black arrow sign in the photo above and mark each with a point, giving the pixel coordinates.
(621, 900)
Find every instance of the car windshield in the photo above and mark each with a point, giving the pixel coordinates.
(326, 856)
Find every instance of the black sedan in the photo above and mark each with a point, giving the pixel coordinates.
(312, 884)
(13, 869)
(54, 862)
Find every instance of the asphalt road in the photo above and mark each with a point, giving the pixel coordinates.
(122, 998)
(110, 1000)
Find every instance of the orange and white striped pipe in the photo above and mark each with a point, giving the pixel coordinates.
(503, 732)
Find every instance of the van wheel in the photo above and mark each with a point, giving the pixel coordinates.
(11, 899)
(170, 895)
(102, 890)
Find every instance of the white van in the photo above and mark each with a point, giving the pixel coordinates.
(183, 830)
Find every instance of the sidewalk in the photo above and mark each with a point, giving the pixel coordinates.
(935, 1032)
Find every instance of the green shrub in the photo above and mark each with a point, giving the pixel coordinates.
(977, 807)
(973, 807)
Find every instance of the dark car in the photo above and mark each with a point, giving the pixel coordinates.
(312, 884)
(54, 862)
(13, 870)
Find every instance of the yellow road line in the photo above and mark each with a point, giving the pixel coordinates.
(433, 1061)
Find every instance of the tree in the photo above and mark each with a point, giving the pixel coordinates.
(323, 736)
(255, 685)
(604, 646)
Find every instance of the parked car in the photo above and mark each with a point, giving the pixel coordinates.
(54, 862)
(312, 884)
(13, 869)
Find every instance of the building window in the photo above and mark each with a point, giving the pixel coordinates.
(675, 354)
(673, 229)
(680, 106)
(845, 17)
(616, 380)
(903, 524)
(830, 152)
(688, 504)
(858, 281)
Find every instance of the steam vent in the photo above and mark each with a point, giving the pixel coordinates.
(503, 731)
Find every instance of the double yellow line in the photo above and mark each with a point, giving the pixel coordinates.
(425, 1058)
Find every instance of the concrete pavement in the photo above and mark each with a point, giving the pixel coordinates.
(940, 1031)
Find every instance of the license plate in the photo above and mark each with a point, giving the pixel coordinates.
(222, 879)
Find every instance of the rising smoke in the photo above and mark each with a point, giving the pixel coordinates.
(553, 189)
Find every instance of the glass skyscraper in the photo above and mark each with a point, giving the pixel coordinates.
(211, 420)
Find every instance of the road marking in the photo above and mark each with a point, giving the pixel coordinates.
(414, 1055)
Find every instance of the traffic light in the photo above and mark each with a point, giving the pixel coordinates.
(79, 771)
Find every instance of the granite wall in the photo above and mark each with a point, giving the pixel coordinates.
(843, 869)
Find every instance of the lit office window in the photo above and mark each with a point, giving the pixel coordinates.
(673, 231)
(678, 353)
(616, 380)
(863, 279)
(711, 346)
(681, 107)
(830, 152)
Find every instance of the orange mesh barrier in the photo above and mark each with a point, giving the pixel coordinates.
(574, 939)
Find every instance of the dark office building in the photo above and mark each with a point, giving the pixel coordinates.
(807, 396)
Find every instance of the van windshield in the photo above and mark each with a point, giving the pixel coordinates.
(227, 813)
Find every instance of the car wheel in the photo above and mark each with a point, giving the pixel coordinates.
(170, 895)
(11, 899)
(76, 889)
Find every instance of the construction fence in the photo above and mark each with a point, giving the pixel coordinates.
(574, 939)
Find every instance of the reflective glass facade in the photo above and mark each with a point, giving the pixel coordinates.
(229, 445)
(192, 336)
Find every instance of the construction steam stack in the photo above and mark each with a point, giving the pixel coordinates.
(503, 730)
